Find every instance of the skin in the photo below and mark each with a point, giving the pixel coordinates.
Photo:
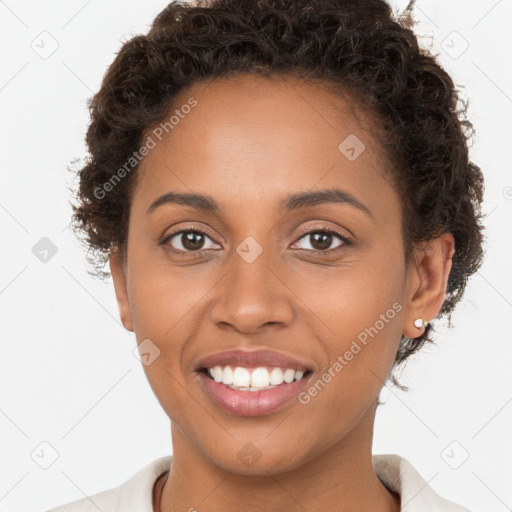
(249, 142)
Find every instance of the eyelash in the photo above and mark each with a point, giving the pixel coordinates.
(347, 241)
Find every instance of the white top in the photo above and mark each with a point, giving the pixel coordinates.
(136, 494)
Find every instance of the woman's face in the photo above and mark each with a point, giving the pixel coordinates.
(256, 280)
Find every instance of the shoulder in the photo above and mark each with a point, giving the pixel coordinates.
(134, 495)
(107, 501)
(398, 474)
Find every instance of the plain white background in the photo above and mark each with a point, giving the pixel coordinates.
(68, 375)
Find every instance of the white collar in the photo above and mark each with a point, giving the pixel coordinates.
(398, 474)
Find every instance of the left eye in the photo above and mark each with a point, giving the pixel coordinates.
(322, 240)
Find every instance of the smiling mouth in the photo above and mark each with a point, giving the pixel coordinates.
(259, 378)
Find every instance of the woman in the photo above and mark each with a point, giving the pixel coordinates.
(283, 193)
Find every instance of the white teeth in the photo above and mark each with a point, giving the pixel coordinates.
(289, 375)
(241, 377)
(260, 378)
(227, 375)
(256, 380)
(276, 376)
(217, 373)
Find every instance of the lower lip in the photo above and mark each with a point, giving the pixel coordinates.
(252, 403)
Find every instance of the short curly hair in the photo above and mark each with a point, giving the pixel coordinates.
(355, 46)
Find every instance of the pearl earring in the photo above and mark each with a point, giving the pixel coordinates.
(419, 323)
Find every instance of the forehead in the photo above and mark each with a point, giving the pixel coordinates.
(256, 139)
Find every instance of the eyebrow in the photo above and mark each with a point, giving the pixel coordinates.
(289, 203)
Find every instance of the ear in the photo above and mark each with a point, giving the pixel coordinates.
(427, 281)
(119, 277)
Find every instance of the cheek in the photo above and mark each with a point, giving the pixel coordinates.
(166, 304)
(360, 355)
(347, 300)
(163, 298)
(357, 314)
(163, 313)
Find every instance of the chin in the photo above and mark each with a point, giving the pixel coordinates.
(257, 459)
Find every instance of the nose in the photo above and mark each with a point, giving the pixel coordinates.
(252, 296)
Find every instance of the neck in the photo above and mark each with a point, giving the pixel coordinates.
(341, 478)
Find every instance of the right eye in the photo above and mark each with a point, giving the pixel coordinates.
(191, 240)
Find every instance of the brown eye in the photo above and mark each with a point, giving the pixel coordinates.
(322, 240)
(189, 241)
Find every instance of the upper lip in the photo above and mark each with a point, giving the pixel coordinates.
(252, 359)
